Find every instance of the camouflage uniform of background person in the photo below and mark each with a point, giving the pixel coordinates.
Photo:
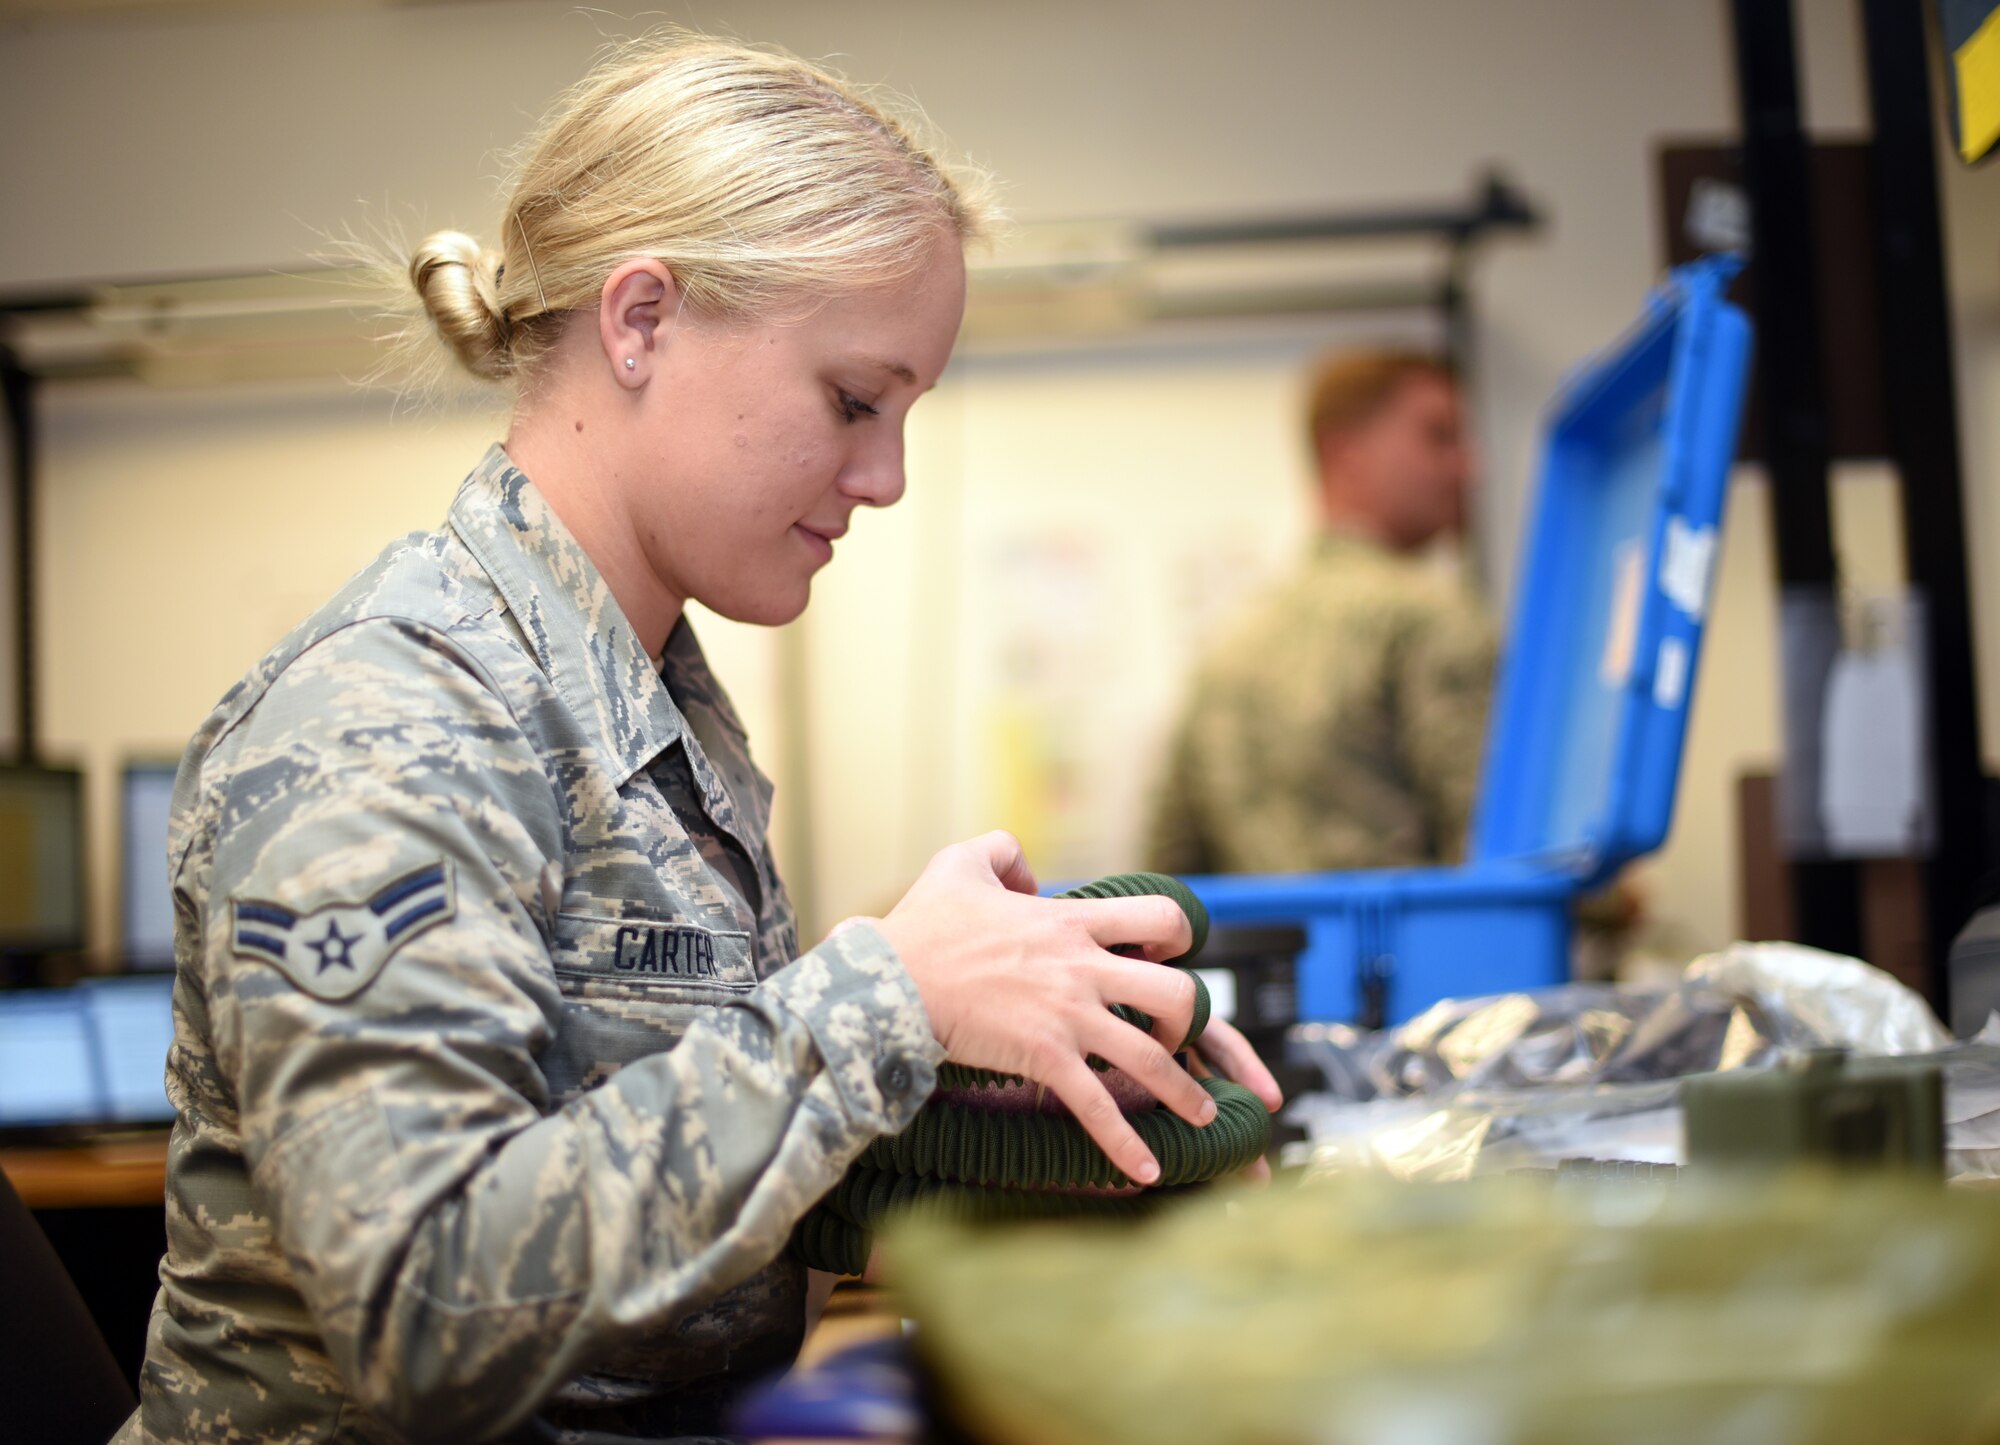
(1339, 722)
(500, 1079)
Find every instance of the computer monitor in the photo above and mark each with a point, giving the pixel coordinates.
(146, 904)
(132, 1026)
(47, 1074)
(89, 1058)
(41, 860)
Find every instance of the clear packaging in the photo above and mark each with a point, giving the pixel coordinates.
(1592, 1071)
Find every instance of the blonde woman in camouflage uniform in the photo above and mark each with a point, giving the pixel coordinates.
(501, 1077)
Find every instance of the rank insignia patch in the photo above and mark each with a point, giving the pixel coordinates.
(336, 950)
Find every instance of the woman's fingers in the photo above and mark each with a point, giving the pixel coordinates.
(1150, 921)
(1154, 1069)
(1233, 1058)
(1074, 1082)
(1165, 994)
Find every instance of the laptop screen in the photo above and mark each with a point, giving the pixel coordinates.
(95, 1054)
(46, 1072)
(132, 1026)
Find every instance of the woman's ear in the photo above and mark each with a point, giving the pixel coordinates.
(638, 298)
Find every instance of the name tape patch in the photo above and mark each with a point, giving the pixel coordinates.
(337, 950)
(668, 952)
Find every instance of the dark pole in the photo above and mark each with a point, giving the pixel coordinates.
(1919, 396)
(1497, 207)
(20, 390)
(1826, 894)
(1455, 304)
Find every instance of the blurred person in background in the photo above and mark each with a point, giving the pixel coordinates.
(1340, 722)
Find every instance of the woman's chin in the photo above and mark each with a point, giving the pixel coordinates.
(773, 608)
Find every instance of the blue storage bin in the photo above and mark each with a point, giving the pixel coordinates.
(1583, 749)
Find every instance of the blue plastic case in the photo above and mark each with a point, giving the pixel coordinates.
(1584, 748)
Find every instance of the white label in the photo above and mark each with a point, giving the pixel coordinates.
(1718, 216)
(1670, 674)
(1685, 565)
(1621, 635)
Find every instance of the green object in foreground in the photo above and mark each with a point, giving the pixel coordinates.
(1801, 1309)
(1820, 1106)
(970, 1160)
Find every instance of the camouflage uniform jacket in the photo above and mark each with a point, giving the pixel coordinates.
(500, 1081)
(1338, 724)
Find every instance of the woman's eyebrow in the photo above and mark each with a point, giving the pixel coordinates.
(894, 367)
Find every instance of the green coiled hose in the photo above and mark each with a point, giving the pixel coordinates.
(866, 1196)
(838, 1234)
(1019, 1150)
(977, 1163)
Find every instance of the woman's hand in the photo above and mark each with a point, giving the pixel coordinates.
(1020, 984)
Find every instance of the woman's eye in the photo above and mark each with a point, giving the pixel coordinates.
(853, 408)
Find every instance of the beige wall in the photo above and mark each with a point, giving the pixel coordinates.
(1073, 522)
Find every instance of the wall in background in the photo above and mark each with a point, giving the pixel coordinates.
(1074, 523)
(238, 141)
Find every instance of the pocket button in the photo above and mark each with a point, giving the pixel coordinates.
(894, 1078)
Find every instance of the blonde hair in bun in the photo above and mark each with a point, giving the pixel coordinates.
(764, 183)
(458, 283)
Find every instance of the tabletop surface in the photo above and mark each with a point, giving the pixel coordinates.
(109, 1173)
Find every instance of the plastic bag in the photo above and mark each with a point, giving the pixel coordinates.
(1842, 1001)
(1972, 1107)
(1591, 1071)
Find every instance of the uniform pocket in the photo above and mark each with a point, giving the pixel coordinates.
(631, 988)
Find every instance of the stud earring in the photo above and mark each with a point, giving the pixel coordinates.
(631, 363)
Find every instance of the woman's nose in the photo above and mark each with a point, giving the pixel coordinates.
(876, 479)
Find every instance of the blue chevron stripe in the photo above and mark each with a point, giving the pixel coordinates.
(262, 942)
(405, 887)
(416, 915)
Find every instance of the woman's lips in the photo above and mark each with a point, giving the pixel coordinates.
(820, 542)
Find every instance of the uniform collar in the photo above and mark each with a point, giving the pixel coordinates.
(574, 626)
(697, 687)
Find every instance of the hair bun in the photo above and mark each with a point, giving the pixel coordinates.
(459, 284)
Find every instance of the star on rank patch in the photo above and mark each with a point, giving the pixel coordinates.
(336, 950)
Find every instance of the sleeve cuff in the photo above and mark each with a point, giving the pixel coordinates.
(868, 1020)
